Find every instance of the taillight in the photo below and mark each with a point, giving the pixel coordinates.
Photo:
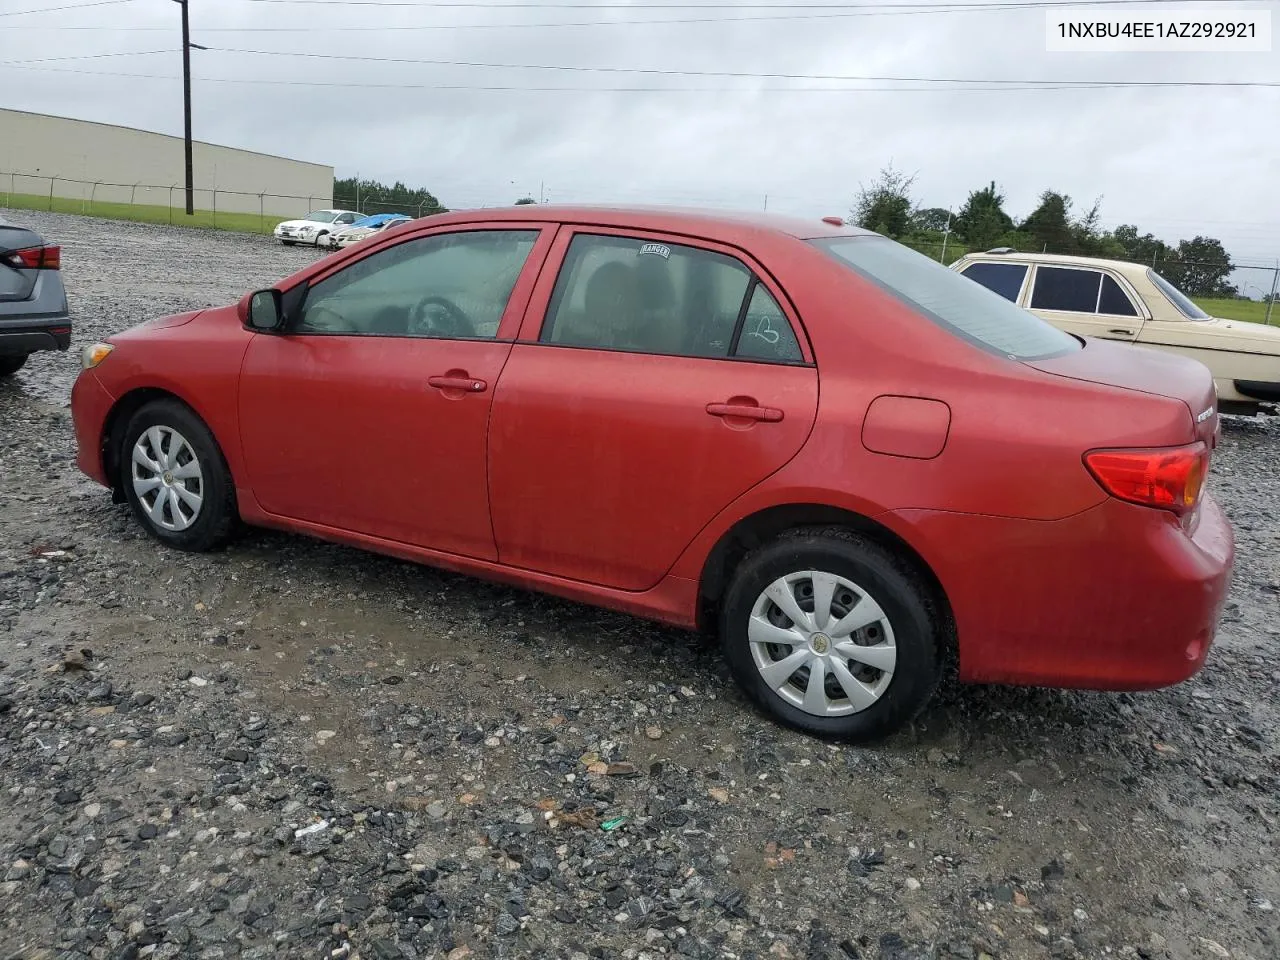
(36, 258)
(1168, 478)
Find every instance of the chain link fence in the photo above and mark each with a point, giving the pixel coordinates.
(166, 203)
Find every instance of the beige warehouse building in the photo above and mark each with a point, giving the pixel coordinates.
(101, 162)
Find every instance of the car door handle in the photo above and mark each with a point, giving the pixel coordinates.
(1122, 332)
(747, 411)
(452, 382)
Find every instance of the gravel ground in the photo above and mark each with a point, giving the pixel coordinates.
(294, 749)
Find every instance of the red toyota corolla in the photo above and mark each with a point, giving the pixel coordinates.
(856, 465)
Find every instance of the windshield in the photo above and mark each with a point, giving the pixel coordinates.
(950, 299)
(1180, 300)
(322, 216)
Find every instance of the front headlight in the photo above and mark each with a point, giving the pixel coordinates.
(94, 354)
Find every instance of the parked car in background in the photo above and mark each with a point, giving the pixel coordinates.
(33, 302)
(365, 228)
(627, 407)
(314, 227)
(1131, 302)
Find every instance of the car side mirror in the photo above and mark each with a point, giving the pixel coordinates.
(264, 311)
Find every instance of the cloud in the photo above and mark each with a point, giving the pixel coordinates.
(1175, 161)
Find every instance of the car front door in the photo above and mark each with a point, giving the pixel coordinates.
(369, 412)
(1085, 301)
(655, 380)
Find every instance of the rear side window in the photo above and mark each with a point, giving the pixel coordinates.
(634, 294)
(766, 333)
(1058, 288)
(1002, 278)
(949, 299)
(1115, 301)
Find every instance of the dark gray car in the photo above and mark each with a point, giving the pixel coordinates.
(33, 302)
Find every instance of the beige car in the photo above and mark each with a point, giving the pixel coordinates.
(1115, 300)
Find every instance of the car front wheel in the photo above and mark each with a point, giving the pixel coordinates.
(832, 634)
(175, 478)
(10, 365)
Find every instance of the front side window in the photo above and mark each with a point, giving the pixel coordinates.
(1059, 288)
(320, 216)
(1179, 299)
(628, 293)
(1002, 278)
(949, 299)
(448, 285)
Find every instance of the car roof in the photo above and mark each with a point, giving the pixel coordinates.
(669, 219)
(1069, 260)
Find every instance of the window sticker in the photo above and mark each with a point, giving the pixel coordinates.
(657, 249)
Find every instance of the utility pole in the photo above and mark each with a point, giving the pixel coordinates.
(186, 103)
(946, 234)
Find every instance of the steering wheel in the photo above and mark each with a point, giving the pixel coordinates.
(456, 323)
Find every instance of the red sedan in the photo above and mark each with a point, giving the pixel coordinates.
(856, 465)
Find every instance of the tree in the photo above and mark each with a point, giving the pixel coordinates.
(982, 220)
(523, 200)
(1142, 248)
(885, 206)
(1202, 268)
(930, 220)
(1050, 224)
(371, 196)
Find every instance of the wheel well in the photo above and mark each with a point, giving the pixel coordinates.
(759, 528)
(113, 430)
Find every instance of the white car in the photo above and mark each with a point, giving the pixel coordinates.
(317, 224)
(362, 229)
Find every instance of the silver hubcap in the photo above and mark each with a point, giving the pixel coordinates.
(822, 643)
(167, 478)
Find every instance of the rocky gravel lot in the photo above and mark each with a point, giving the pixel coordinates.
(293, 749)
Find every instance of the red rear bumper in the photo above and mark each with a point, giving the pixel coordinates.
(1115, 598)
(90, 404)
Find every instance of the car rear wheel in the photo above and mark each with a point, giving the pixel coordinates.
(832, 634)
(10, 365)
(175, 477)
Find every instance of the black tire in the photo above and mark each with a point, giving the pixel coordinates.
(320, 236)
(9, 365)
(215, 520)
(885, 578)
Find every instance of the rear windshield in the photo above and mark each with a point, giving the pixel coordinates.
(1179, 299)
(950, 299)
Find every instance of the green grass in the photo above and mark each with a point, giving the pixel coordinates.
(144, 213)
(1231, 309)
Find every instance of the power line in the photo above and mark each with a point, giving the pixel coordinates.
(69, 6)
(843, 14)
(650, 71)
(524, 88)
(90, 56)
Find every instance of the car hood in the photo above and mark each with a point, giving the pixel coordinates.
(303, 223)
(158, 323)
(1246, 336)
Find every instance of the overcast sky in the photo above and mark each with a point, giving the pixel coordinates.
(1174, 161)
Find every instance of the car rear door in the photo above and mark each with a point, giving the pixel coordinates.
(370, 413)
(1084, 300)
(656, 379)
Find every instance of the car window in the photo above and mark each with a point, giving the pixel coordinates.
(627, 293)
(949, 299)
(1114, 301)
(1002, 278)
(766, 333)
(1179, 299)
(446, 285)
(1060, 288)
